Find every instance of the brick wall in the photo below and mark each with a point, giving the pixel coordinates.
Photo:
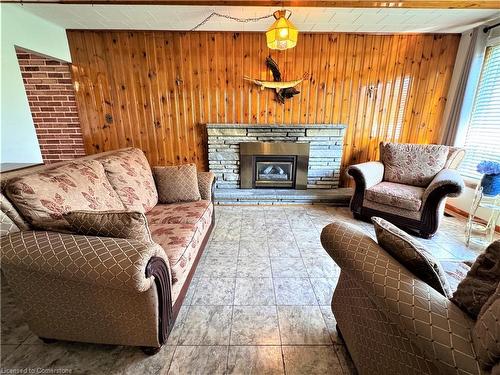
(52, 102)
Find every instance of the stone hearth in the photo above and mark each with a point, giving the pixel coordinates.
(325, 156)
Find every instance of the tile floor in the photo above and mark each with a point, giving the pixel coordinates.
(259, 304)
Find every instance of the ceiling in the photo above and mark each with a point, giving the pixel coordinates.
(175, 17)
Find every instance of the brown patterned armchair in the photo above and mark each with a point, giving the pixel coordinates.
(408, 186)
(394, 323)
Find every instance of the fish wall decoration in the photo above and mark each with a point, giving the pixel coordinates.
(284, 89)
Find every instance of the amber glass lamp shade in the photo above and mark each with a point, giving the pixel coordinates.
(282, 34)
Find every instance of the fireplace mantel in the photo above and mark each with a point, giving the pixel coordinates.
(325, 140)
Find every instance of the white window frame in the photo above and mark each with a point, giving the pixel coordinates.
(470, 96)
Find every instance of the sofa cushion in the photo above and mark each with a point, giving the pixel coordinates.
(43, 197)
(180, 213)
(412, 255)
(412, 164)
(130, 175)
(118, 224)
(180, 242)
(481, 281)
(406, 197)
(177, 184)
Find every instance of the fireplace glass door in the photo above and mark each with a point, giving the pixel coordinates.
(274, 171)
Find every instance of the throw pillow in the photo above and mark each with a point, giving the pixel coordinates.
(130, 175)
(412, 164)
(411, 254)
(177, 183)
(481, 281)
(119, 224)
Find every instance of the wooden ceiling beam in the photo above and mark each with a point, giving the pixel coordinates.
(421, 4)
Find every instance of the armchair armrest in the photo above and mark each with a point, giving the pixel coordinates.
(115, 263)
(367, 174)
(206, 184)
(432, 322)
(447, 183)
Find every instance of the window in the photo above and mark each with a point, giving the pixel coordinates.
(482, 141)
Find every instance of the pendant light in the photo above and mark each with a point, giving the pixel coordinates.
(282, 34)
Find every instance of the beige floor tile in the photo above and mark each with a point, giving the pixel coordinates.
(219, 267)
(321, 267)
(294, 291)
(286, 249)
(255, 325)
(6, 350)
(206, 325)
(255, 360)
(222, 249)
(323, 289)
(214, 291)
(302, 325)
(254, 248)
(311, 360)
(76, 357)
(288, 267)
(131, 361)
(256, 291)
(254, 267)
(199, 360)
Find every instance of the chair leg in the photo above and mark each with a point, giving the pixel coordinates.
(339, 332)
(150, 350)
(357, 216)
(426, 235)
(47, 340)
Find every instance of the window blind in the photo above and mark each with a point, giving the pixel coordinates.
(482, 141)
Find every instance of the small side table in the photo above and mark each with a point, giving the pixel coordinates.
(474, 226)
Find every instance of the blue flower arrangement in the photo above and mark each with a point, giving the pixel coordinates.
(491, 177)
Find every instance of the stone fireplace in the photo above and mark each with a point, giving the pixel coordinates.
(278, 169)
(281, 165)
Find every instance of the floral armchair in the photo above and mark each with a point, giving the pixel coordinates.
(408, 186)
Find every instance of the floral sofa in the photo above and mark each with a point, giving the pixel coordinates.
(100, 289)
(408, 186)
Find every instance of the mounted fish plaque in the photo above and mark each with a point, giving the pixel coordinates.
(284, 89)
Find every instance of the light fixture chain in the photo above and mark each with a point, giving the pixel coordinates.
(243, 20)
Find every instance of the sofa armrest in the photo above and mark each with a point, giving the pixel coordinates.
(432, 322)
(447, 183)
(114, 263)
(367, 174)
(206, 182)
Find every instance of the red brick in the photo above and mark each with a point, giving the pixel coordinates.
(52, 101)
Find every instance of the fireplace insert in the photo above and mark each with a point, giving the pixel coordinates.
(275, 171)
(274, 165)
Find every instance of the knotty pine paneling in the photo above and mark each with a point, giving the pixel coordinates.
(157, 90)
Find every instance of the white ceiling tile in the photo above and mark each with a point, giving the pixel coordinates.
(370, 18)
(394, 19)
(345, 18)
(162, 17)
(369, 28)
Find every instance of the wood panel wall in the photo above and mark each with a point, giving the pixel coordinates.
(157, 90)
